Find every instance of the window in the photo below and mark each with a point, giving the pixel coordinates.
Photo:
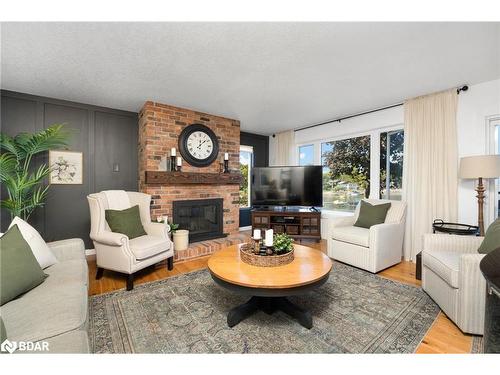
(346, 172)
(246, 162)
(497, 181)
(306, 155)
(391, 164)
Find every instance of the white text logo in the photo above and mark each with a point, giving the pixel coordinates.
(22, 346)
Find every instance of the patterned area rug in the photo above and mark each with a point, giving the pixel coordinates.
(354, 312)
(477, 346)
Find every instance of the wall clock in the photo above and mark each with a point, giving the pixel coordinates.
(198, 145)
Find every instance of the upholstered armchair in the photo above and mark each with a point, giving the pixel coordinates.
(372, 249)
(452, 278)
(115, 251)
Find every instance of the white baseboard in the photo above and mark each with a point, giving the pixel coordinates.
(245, 228)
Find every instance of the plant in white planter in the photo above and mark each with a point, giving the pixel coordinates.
(181, 237)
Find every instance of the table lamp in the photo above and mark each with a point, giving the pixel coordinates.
(480, 167)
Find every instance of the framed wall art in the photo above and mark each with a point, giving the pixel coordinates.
(66, 166)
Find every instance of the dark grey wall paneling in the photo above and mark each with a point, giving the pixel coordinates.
(260, 144)
(115, 144)
(105, 136)
(69, 199)
(19, 115)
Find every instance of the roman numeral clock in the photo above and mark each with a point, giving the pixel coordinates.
(198, 145)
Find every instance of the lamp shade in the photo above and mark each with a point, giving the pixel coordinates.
(484, 166)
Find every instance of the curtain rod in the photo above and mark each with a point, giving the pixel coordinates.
(459, 89)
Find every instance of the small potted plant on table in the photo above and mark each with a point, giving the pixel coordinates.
(283, 243)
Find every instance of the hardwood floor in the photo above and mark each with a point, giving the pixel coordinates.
(443, 336)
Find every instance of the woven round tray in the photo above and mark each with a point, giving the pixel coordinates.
(264, 260)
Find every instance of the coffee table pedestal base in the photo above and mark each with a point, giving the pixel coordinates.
(269, 305)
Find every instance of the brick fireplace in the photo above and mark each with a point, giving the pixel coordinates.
(159, 129)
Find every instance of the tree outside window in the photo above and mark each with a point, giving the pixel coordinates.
(245, 166)
(391, 183)
(346, 172)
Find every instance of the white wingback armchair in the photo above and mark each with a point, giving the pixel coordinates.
(115, 251)
(452, 278)
(372, 249)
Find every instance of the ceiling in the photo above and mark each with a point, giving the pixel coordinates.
(270, 76)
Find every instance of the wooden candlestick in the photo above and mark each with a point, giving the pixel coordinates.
(480, 202)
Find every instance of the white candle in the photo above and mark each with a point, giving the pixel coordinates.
(172, 151)
(179, 161)
(256, 234)
(226, 156)
(269, 238)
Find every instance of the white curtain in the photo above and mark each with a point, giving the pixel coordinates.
(284, 149)
(430, 176)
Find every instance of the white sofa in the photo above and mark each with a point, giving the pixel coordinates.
(55, 311)
(372, 249)
(115, 251)
(452, 278)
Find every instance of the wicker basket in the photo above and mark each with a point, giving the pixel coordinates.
(248, 257)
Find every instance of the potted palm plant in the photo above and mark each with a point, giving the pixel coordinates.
(23, 181)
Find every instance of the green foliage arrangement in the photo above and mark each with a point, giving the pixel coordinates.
(173, 227)
(283, 243)
(23, 182)
(349, 161)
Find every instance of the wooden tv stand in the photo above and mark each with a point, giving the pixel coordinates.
(298, 224)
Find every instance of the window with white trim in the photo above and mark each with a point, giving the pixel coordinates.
(348, 169)
(306, 155)
(391, 164)
(496, 134)
(246, 163)
(346, 172)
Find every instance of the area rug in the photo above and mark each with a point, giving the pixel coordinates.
(354, 312)
(477, 346)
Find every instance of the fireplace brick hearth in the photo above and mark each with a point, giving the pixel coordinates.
(159, 128)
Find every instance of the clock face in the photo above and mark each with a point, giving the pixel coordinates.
(200, 145)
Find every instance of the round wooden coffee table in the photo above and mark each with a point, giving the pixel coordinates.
(269, 286)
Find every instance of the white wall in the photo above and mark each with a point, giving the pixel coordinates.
(474, 108)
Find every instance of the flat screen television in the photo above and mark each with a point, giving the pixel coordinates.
(287, 186)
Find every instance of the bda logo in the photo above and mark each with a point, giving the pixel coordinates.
(8, 346)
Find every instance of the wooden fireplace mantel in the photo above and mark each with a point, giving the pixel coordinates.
(185, 178)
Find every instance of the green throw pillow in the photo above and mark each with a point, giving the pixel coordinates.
(19, 269)
(126, 221)
(3, 331)
(491, 238)
(371, 214)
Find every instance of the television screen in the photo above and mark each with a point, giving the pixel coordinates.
(287, 186)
